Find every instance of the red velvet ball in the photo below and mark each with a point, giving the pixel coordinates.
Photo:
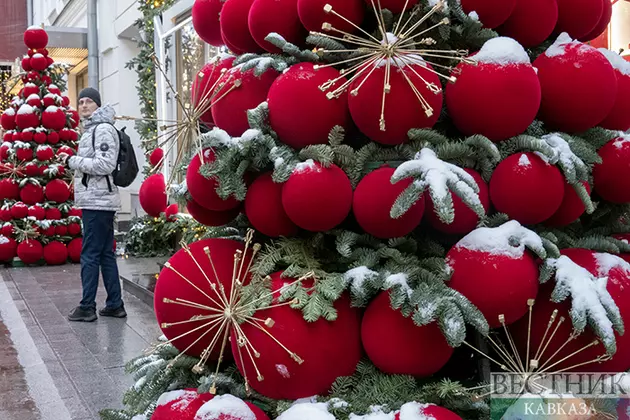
(30, 89)
(231, 48)
(64, 135)
(228, 407)
(579, 86)
(7, 230)
(49, 61)
(482, 262)
(5, 214)
(329, 349)
(263, 207)
(35, 101)
(602, 24)
(26, 117)
(313, 16)
(65, 149)
(74, 229)
(8, 248)
(279, 16)
(203, 190)
(490, 14)
(55, 253)
(74, 135)
(75, 119)
(30, 251)
(54, 118)
(373, 200)
(296, 93)
(578, 17)
(526, 188)
(229, 110)
(9, 189)
(403, 111)
(8, 136)
(425, 411)
(571, 208)
(37, 212)
(75, 212)
(40, 137)
(35, 37)
(8, 119)
(48, 81)
(205, 18)
(26, 63)
(171, 286)
(24, 154)
(211, 217)
(53, 137)
(156, 156)
(205, 84)
(179, 405)
(234, 24)
(44, 153)
(34, 76)
(27, 135)
(612, 176)
(507, 94)
(53, 214)
(19, 210)
(171, 212)
(152, 195)
(531, 21)
(31, 169)
(394, 6)
(32, 194)
(61, 230)
(57, 191)
(465, 219)
(317, 198)
(39, 62)
(74, 250)
(49, 231)
(399, 347)
(65, 101)
(619, 117)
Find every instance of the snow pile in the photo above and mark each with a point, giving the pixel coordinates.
(524, 160)
(414, 411)
(310, 411)
(169, 397)
(4, 240)
(377, 413)
(11, 111)
(400, 280)
(502, 51)
(559, 48)
(621, 141)
(474, 16)
(357, 277)
(25, 110)
(34, 28)
(616, 61)
(562, 154)
(309, 165)
(509, 240)
(38, 55)
(52, 109)
(225, 406)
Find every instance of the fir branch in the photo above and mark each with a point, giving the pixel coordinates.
(291, 49)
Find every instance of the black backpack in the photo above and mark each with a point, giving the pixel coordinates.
(126, 165)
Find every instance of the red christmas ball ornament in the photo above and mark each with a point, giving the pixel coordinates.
(526, 188)
(30, 251)
(57, 190)
(5, 214)
(37, 211)
(8, 248)
(179, 405)
(373, 200)
(296, 93)
(44, 153)
(231, 48)
(612, 176)
(465, 219)
(53, 213)
(403, 111)
(74, 135)
(531, 22)
(505, 87)
(75, 119)
(32, 194)
(75, 212)
(205, 84)
(24, 154)
(48, 100)
(317, 198)
(152, 195)
(313, 16)
(7, 230)
(619, 117)
(54, 118)
(49, 61)
(26, 117)
(4, 152)
(578, 17)
(54, 89)
(263, 207)
(228, 407)
(17, 136)
(30, 89)
(49, 231)
(329, 349)
(203, 190)
(602, 24)
(19, 210)
(9, 189)
(230, 105)
(210, 217)
(34, 76)
(61, 230)
(64, 135)
(571, 208)
(39, 62)
(31, 169)
(234, 25)
(40, 137)
(171, 212)
(35, 37)
(394, 6)
(35, 101)
(65, 149)
(484, 260)
(425, 411)
(65, 101)
(74, 229)
(8, 119)
(156, 156)
(579, 86)
(55, 253)
(490, 15)
(74, 250)
(399, 347)
(278, 16)
(26, 63)
(205, 18)
(47, 80)
(8, 136)
(53, 137)
(27, 135)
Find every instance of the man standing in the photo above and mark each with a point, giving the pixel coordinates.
(97, 196)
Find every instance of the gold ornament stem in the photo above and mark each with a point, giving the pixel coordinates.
(193, 343)
(598, 359)
(172, 340)
(428, 109)
(401, 17)
(416, 25)
(530, 304)
(196, 318)
(221, 295)
(247, 344)
(226, 334)
(212, 286)
(571, 338)
(359, 41)
(170, 267)
(380, 19)
(509, 337)
(334, 13)
(293, 356)
(551, 338)
(551, 321)
(507, 358)
(591, 344)
(170, 85)
(408, 42)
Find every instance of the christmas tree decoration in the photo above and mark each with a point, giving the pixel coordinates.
(35, 37)
(611, 175)
(179, 405)
(210, 217)
(571, 207)
(8, 248)
(578, 18)
(531, 22)
(53, 137)
(9, 189)
(231, 48)
(53, 213)
(234, 25)
(503, 85)
(415, 410)
(26, 117)
(152, 195)
(44, 153)
(205, 18)
(74, 229)
(171, 212)
(57, 190)
(37, 211)
(276, 16)
(30, 251)
(490, 15)
(394, 6)
(38, 62)
(579, 86)
(263, 207)
(61, 230)
(205, 85)
(317, 198)
(313, 14)
(295, 93)
(229, 407)
(8, 119)
(55, 253)
(74, 250)
(32, 193)
(54, 118)
(603, 23)
(619, 117)
(202, 189)
(156, 157)
(7, 230)
(19, 210)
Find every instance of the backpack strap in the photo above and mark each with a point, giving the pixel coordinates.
(86, 177)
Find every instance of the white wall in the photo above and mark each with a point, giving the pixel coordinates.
(620, 27)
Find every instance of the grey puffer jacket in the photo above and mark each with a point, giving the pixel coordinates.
(97, 162)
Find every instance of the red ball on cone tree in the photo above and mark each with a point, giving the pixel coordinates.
(75, 119)
(19, 210)
(61, 230)
(53, 137)
(234, 25)
(578, 17)
(205, 18)
(74, 229)
(5, 214)
(40, 137)
(30, 89)
(53, 213)
(49, 231)
(65, 149)
(313, 16)
(44, 153)
(65, 101)
(30, 251)
(24, 154)
(394, 6)
(527, 188)
(210, 217)
(55, 253)
(35, 37)
(57, 190)
(279, 16)
(228, 407)
(611, 177)
(602, 24)
(171, 212)
(75, 212)
(8, 136)
(579, 86)
(54, 89)
(531, 22)
(203, 190)
(27, 135)
(8, 248)
(425, 411)
(26, 117)
(54, 118)
(8, 119)
(65, 135)
(179, 405)
(32, 194)
(204, 86)
(403, 111)
(490, 15)
(152, 195)
(571, 208)
(26, 63)
(74, 250)
(35, 101)
(263, 207)
(156, 156)
(37, 211)
(9, 189)
(7, 230)
(39, 62)
(619, 116)
(231, 48)
(296, 93)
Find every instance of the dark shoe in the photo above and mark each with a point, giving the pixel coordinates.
(114, 313)
(82, 315)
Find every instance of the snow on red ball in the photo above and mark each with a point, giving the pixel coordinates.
(30, 251)
(296, 93)
(203, 190)
(279, 16)
(403, 111)
(39, 62)
(394, 6)
(152, 195)
(8, 248)
(27, 117)
(619, 116)
(53, 213)
(31, 169)
(317, 198)
(504, 87)
(54, 118)
(313, 16)
(19, 210)
(571, 208)
(397, 346)
(44, 153)
(263, 207)
(603, 23)
(490, 14)
(55, 253)
(612, 176)
(329, 349)
(32, 194)
(57, 190)
(35, 101)
(8, 136)
(35, 37)
(579, 86)
(229, 407)
(8, 119)
(30, 89)
(205, 84)
(425, 411)
(578, 18)
(497, 277)
(234, 25)
(531, 22)
(26, 63)
(74, 250)
(210, 217)
(75, 212)
(9, 189)
(24, 154)
(156, 156)
(37, 211)
(205, 18)
(7, 230)
(28, 134)
(65, 149)
(230, 106)
(526, 188)
(179, 405)
(64, 135)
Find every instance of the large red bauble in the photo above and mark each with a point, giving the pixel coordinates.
(531, 21)
(9, 189)
(612, 177)
(32, 194)
(579, 86)
(490, 15)
(578, 17)
(211, 217)
(229, 110)
(317, 198)
(394, 6)
(397, 346)
(5, 214)
(54, 118)
(171, 212)
(35, 101)
(403, 111)
(30, 89)
(234, 25)
(526, 188)
(296, 93)
(54, 89)
(179, 405)
(203, 190)
(35, 37)
(26, 117)
(57, 190)
(205, 84)
(313, 16)
(228, 407)
(602, 24)
(205, 18)
(37, 211)
(8, 119)
(26, 63)
(7, 230)
(279, 16)
(75, 119)
(263, 207)
(156, 156)
(231, 48)
(55, 253)
(30, 251)
(27, 135)
(495, 276)
(329, 349)
(571, 208)
(38, 62)
(373, 200)
(74, 229)
(619, 116)
(465, 219)
(74, 250)
(152, 195)
(425, 411)
(61, 230)
(53, 213)
(19, 210)
(44, 153)
(503, 85)
(171, 286)
(24, 154)
(8, 248)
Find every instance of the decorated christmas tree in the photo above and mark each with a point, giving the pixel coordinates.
(431, 187)
(39, 222)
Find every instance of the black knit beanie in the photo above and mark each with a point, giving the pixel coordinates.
(92, 94)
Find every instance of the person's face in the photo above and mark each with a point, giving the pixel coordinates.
(87, 107)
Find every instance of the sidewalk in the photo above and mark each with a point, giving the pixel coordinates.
(59, 370)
